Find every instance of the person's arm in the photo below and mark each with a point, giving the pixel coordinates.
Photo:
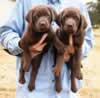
(10, 33)
(88, 42)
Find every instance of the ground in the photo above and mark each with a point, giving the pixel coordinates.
(91, 88)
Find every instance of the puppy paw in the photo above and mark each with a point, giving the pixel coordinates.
(58, 86)
(22, 81)
(78, 75)
(74, 89)
(31, 87)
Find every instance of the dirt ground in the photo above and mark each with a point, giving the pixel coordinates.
(91, 72)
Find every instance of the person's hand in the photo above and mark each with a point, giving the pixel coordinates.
(38, 47)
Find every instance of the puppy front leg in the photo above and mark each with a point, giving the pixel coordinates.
(59, 45)
(31, 84)
(73, 82)
(70, 65)
(35, 67)
(21, 75)
(58, 85)
(57, 72)
(24, 64)
(26, 57)
(77, 64)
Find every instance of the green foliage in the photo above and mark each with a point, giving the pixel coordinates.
(94, 11)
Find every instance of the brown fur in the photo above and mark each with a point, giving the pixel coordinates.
(39, 22)
(72, 27)
(67, 43)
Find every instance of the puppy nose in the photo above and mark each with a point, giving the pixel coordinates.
(42, 23)
(70, 25)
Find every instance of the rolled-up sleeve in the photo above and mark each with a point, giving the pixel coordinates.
(10, 33)
(89, 38)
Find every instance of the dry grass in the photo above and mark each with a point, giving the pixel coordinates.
(7, 75)
(91, 71)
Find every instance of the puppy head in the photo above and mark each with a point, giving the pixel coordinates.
(40, 18)
(71, 21)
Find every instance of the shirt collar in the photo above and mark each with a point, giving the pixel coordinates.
(54, 1)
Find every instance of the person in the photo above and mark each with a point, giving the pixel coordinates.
(10, 35)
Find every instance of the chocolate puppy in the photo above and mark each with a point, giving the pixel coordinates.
(72, 32)
(39, 21)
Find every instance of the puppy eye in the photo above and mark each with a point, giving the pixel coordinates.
(66, 16)
(36, 17)
(47, 16)
(76, 18)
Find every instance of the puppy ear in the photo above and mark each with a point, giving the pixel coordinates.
(58, 19)
(53, 13)
(83, 24)
(29, 16)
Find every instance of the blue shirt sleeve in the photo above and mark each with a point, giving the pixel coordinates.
(10, 33)
(89, 38)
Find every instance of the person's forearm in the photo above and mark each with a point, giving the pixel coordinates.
(10, 40)
(88, 43)
(11, 32)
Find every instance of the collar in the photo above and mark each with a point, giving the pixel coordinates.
(54, 1)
